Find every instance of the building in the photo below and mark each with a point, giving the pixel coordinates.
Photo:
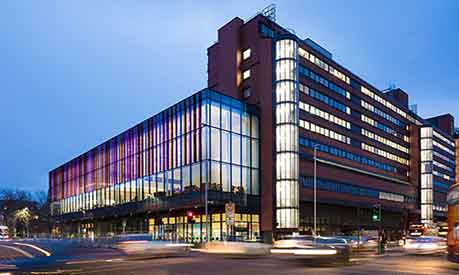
(149, 177)
(456, 141)
(367, 147)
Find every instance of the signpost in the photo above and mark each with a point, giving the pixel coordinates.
(230, 210)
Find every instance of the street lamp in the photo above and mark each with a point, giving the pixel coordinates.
(315, 188)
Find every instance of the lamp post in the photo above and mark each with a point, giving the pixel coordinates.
(315, 188)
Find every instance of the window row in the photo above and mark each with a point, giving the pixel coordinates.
(324, 82)
(384, 102)
(384, 154)
(325, 115)
(380, 113)
(441, 208)
(444, 167)
(223, 178)
(314, 59)
(442, 175)
(391, 197)
(347, 155)
(445, 158)
(379, 125)
(443, 147)
(341, 187)
(324, 131)
(325, 99)
(444, 139)
(385, 141)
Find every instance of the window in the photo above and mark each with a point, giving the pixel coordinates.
(226, 177)
(215, 144)
(235, 178)
(226, 117)
(245, 151)
(196, 177)
(246, 74)
(246, 54)
(215, 183)
(226, 145)
(236, 148)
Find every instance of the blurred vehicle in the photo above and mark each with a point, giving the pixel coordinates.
(153, 248)
(361, 242)
(4, 233)
(425, 245)
(241, 249)
(312, 247)
(453, 223)
(416, 230)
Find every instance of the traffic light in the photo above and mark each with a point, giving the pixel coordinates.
(376, 213)
(189, 216)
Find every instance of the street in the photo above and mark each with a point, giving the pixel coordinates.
(74, 260)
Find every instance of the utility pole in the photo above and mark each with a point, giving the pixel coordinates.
(315, 189)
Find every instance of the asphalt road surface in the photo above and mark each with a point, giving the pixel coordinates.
(66, 258)
(196, 263)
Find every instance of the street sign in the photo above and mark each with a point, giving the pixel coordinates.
(230, 210)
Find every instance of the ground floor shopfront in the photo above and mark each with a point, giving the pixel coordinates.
(172, 225)
(246, 227)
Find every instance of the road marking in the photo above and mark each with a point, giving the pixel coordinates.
(114, 260)
(46, 253)
(27, 254)
(59, 271)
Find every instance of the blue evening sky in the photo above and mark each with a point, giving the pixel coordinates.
(75, 73)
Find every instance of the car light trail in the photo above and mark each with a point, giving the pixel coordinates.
(305, 252)
(46, 253)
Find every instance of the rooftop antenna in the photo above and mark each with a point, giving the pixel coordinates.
(414, 108)
(270, 12)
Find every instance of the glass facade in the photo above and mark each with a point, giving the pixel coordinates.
(206, 138)
(436, 177)
(286, 119)
(246, 227)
